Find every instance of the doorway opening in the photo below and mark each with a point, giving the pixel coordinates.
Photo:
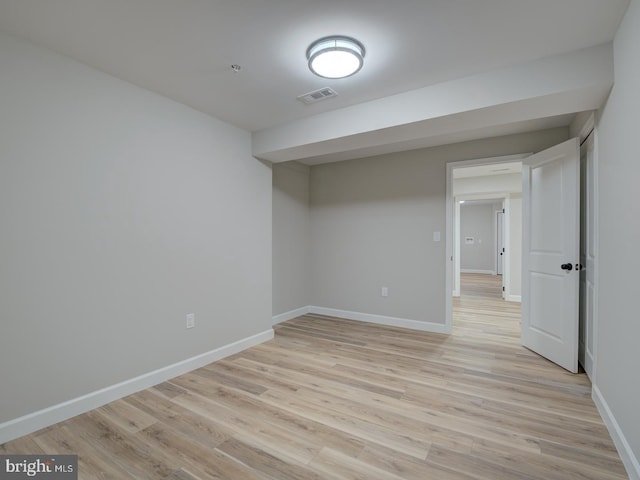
(480, 234)
(558, 187)
(489, 189)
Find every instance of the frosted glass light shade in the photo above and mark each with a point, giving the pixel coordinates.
(335, 57)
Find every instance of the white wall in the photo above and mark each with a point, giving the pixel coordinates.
(121, 212)
(372, 224)
(291, 237)
(505, 183)
(477, 221)
(618, 356)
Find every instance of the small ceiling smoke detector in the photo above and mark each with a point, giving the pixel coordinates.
(317, 95)
(335, 57)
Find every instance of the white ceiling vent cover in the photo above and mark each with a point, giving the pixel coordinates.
(317, 95)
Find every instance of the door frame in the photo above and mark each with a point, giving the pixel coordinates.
(584, 125)
(499, 197)
(451, 206)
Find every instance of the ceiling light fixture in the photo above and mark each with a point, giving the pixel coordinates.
(335, 57)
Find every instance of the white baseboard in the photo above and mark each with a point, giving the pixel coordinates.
(382, 320)
(627, 456)
(514, 298)
(57, 413)
(471, 270)
(283, 317)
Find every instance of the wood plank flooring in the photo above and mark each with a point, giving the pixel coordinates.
(338, 399)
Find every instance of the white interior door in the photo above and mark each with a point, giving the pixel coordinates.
(588, 298)
(551, 242)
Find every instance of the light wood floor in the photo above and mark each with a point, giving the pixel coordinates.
(337, 399)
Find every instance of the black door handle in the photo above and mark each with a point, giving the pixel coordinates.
(566, 266)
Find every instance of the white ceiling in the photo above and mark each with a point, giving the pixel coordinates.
(183, 49)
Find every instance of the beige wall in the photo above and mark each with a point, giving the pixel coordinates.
(372, 224)
(291, 237)
(121, 212)
(618, 356)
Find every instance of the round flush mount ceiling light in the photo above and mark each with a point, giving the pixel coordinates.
(335, 57)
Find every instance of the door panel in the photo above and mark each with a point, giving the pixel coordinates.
(546, 218)
(550, 239)
(587, 257)
(543, 318)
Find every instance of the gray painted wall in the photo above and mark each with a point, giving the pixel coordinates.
(618, 357)
(372, 224)
(477, 221)
(291, 237)
(121, 212)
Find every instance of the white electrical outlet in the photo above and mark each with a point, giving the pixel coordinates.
(384, 291)
(191, 320)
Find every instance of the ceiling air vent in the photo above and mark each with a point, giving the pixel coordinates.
(317, 95)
